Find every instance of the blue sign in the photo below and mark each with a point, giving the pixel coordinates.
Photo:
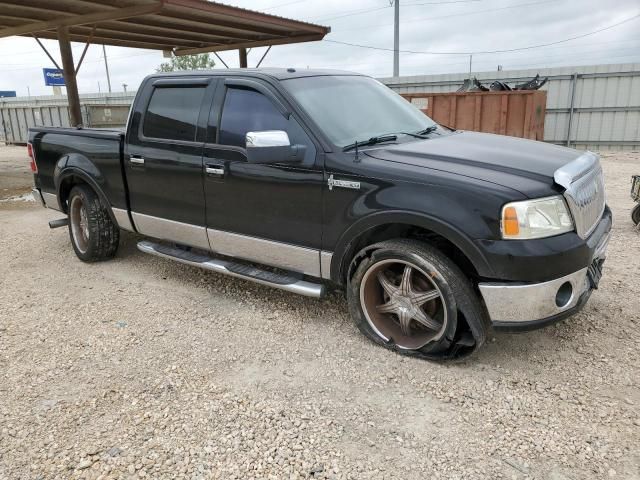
(53, 77)
(7, 93)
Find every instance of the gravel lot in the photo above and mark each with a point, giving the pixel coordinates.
(141, 367)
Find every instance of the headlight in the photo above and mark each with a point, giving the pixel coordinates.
(543, 217)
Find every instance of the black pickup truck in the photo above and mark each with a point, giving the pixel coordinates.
(303, 179)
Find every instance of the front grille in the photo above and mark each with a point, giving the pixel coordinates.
(586, 198)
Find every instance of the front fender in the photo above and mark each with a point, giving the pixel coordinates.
(448, 231)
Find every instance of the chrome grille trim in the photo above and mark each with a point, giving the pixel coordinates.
(584, 183)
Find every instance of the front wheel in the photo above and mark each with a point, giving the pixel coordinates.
(94, 235)
(635, 214)
(409, 297)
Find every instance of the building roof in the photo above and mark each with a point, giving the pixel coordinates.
(182, 26)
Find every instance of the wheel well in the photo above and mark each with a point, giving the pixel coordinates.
(65, 188)
(400, 230)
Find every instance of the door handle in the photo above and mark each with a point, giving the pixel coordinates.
(213, 170)
(137, 159)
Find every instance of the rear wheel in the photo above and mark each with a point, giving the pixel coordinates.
(94, 235)
(635, 214)
(409, 297)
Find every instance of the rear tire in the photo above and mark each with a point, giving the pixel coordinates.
(94, 235)
(635, 214)
(409, 297)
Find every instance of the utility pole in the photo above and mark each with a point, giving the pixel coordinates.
(396, 38)
(106, 67)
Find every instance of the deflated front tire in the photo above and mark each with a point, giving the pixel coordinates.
(409, 297)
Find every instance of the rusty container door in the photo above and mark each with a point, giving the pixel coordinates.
(514, 113)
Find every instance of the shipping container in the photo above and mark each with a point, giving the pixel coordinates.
(513, 113)
(594, 107)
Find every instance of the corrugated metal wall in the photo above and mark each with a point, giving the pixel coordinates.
(604, 115)
(606, 101)
(20, 113)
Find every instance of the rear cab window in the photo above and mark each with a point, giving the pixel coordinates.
(172, 113)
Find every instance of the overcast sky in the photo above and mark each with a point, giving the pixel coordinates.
(452, 26)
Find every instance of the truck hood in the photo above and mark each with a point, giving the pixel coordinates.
(524, 165)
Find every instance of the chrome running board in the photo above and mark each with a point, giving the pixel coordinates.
(290, 281)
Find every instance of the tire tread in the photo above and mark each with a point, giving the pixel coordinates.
(104, 234)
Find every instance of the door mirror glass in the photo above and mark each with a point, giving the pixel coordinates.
(272, 146)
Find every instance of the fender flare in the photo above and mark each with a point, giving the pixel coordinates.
(76, 165)
(435, 225)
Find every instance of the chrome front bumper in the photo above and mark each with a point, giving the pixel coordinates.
(531, 305)
(531, 302)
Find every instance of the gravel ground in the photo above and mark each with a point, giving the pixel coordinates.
(15, 176)
(141, 367)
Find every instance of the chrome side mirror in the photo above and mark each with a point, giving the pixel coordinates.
(267, 138)
(272, 146)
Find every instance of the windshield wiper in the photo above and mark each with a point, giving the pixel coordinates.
(371, 141)
(428, 130)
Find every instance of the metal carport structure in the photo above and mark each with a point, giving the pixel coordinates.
(183, 27)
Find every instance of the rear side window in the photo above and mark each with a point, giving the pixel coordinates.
(248, 111)
(173, 112)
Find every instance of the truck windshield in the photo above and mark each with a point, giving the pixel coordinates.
(353, 108)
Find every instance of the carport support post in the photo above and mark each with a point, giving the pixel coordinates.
(69, 71)
(243, 57)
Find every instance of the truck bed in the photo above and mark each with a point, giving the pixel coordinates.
(94, 150)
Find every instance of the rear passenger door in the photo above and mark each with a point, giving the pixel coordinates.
(270, 213)
(163, 159)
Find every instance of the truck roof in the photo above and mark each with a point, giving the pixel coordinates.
(277, 73)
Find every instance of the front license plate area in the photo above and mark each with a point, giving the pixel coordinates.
(595, 272)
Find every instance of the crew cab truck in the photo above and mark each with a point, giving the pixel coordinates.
(303, 179)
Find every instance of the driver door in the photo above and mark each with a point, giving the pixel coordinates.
(268, 213)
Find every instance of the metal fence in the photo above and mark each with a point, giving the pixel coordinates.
(98, 110)
(589, 107)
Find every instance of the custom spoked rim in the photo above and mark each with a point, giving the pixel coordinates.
(403, 304)
(79, 223)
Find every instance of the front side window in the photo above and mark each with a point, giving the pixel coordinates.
(173, 112)
(349, 107)
(247, 110)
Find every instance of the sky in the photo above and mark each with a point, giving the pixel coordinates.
(459, 26)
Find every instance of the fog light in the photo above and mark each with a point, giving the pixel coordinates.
(563, 297)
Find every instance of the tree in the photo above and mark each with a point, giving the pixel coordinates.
(202, 61)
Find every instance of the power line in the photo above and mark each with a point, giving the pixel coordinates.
(438, 3)
(530, 47)
(464, 14)
(283, 5)
(579, 55)
(360, 11)
(100, 60)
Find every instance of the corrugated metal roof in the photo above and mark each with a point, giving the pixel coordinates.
(184, 26)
